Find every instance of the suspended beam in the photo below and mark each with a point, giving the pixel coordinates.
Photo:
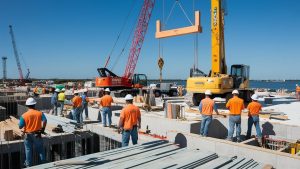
(196, 28)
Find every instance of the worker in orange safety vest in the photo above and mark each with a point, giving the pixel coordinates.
(34, 123)
(235, 106)
(254, 108)
(206, 108)
(76, 111)
(130, 122)
(105, 108)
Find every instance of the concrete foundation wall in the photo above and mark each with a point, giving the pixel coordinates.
(227, 148)
(218, 128)
(59, 147)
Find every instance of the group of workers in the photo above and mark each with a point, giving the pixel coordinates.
(33, 122)
(236, 106)
(130, 117)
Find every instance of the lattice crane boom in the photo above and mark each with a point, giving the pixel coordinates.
(139, 35)
(16, 52)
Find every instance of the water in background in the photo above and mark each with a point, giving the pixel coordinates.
(290, 85)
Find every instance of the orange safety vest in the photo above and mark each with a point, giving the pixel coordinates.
(33, 120)
(77, 101)
(207, 106)
(130, 115)
(106, 101)
(254, 108)
(235, 105)
(298, 89)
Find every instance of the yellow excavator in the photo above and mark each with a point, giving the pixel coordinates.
(218, 80)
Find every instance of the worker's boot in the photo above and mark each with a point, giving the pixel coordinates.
(259, 140)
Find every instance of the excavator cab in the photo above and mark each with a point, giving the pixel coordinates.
(240, 75)
(139, 80)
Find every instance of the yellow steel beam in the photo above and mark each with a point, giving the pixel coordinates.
(196, 28)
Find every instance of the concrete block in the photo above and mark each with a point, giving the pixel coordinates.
(8, 135)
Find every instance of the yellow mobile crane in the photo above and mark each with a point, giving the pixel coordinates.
(218, 81)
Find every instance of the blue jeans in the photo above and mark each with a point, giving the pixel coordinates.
(106, 111)
(29, 141)
(253, 120)
(76, 114)
(86, 110)
(61, 104)
(126, 136)
(54, 108)
(234, 121)
(206, 120)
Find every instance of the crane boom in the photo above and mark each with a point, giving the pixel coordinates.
(217, 42)
(139, 35)
(16, 52)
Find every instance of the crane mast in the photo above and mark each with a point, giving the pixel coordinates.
(217, 34)
(138, 39)
(16, 52)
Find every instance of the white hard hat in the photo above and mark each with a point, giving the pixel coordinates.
(56, 90)
(63, 89)
(254, 97)
(85, 90)
(107, 90)
(128, 97)
(296, 85)
(208, 92)
(76, 91)
(30, 101)
(235, 92)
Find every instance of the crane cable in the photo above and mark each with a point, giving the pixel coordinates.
(121, 31)
(177, 2)
(125, 44)
(196, 49)
(160, 60)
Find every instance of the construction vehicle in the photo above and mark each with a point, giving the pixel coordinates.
(22, 80)
(129, 82)
(218, 80)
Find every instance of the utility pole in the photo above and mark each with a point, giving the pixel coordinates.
(4, 68)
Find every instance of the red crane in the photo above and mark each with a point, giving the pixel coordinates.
(129, 80)
(21, 77)
(16, 52)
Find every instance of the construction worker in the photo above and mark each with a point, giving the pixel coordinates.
(105, 109)
(235, 106)
(34, 123)
(35, 91)
(130, 122)
(297, 91)
(85, 101)
(254, 108)
(61, 100)
(76, 112)
(54, 101)
(206, 107)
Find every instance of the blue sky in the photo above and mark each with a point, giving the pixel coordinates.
(72, 38)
